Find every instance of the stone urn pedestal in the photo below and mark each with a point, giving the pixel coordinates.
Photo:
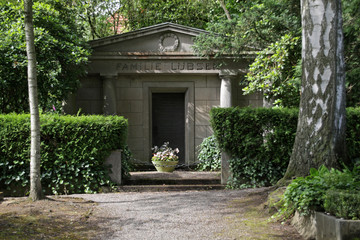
(165, 166)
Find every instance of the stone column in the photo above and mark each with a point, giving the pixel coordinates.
(226, 91)
(114, 163)
(109, 95)
(226, 101)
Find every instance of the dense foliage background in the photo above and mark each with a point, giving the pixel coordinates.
(273, 28)
(270, 27)
(72, 156)
(61, 55)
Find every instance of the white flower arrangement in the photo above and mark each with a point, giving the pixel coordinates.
(164, 153)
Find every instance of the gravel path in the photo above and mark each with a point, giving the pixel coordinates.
(166, 215)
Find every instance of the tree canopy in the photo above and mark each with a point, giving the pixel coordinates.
(270, 27)
(273, 29)
(103, 18)
(61, 55)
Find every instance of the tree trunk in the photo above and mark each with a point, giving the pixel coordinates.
(35, 183)
(320, 136)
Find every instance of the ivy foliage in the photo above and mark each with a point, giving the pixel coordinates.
(73, 151)
(321, 189)
(351, 28)
(260, 141)
(276, 72)
(61, 55)
(209, 155)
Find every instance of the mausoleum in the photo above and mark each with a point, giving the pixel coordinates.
(153, 77)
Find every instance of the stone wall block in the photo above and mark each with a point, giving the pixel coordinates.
(114, 162)
(134, 118)
(202, 119)
(201, 107)
(123, 82)
(123, 107)
(201, 132)
(136, 131)
(205, 93)
(213, 82)
(136, 106)
(89, 93)
(129, 93)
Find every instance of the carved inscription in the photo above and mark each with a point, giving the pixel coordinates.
(165, 66)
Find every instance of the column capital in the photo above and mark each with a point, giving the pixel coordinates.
(108, 77)
(228, 74)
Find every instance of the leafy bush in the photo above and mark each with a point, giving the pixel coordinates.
(209, 155)
(259, 142)
(343, 203)
(353, 134)
(126, 162)
(61, 54)
(275, 72)
(306, 194)
(73, 150)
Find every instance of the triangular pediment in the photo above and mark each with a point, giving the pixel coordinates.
(161, 38)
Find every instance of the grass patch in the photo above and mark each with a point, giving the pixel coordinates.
(248, 219)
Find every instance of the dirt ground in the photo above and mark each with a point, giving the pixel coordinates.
(52, 218)
(75, 218)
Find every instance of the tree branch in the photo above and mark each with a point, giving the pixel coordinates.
(222, 3)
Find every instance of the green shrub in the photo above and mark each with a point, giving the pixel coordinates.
(126, 162)
(353, 134)
(306, 194)
(73, 150)
(343, 203)
(209, 155)
(259, 142)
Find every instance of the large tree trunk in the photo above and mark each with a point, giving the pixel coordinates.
(35, 183)
(320, 136)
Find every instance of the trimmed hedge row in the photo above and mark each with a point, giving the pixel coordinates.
(260, 141)
(73, 150)
(343, 203)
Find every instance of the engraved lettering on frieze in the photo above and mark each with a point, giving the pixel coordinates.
(165, 66)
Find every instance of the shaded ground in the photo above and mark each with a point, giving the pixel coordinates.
(53, 218)
(225, 214)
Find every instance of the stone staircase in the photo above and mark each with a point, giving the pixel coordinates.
(153, 181)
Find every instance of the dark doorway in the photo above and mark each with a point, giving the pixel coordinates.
(168, 121)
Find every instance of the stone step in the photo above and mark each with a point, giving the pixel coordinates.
(165, 188)
(152, 181)
(172, 182)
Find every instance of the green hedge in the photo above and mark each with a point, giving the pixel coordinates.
(343, 203)
(353, 134)
(260, 141)
(73, 150)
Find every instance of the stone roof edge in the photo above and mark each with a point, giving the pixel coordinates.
(146, 31)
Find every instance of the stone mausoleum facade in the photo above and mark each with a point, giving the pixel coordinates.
(153, 78)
